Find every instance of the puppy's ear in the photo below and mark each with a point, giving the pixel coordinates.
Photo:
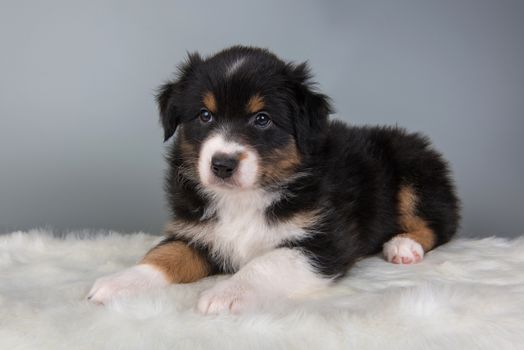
(170, 95)
(312, 109)
(167, 95)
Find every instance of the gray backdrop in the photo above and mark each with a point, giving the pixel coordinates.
(80, 145)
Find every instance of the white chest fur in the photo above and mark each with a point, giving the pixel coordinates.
(241, 231)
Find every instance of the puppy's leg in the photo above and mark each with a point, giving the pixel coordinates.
(281, 273)
(169, 262)
(409, 247)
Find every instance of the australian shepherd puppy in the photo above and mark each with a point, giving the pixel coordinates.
(263, 186)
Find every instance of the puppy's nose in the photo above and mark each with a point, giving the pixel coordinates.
(223, 165)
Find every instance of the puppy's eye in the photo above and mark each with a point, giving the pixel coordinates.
(205, 116)
(262, 120)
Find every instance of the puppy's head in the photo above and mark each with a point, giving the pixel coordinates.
(245, 118)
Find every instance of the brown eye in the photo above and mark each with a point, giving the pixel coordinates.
(262, 120)
(205, 116)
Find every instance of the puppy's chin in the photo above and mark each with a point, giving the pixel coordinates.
(231, 184)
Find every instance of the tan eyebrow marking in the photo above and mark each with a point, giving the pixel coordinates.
(210, 102)
(255, 104)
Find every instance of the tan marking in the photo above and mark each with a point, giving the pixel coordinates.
(179, 262)
(255, 104)
(407, 200)
(414, 227)
(306, 219)
(281, 164)
(188, 151)
(210, 102)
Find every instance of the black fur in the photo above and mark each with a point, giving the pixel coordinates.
(352, 174)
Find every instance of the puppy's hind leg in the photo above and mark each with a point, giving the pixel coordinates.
(409, 247)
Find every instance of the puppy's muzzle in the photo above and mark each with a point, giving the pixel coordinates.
(224, 165)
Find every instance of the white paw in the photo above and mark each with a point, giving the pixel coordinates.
(403, 250)
(125, 283)
(227, 296)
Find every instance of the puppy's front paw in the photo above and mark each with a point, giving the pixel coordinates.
(403, 250)
(125, 283)
(227, 296)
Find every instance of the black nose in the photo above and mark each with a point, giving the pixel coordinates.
(223, 165)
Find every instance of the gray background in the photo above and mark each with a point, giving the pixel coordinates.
(80, 145)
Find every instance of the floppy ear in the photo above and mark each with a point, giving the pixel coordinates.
(312, 109)
(167, 108)
(170, 95)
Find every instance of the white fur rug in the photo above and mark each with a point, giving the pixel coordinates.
(468, 294)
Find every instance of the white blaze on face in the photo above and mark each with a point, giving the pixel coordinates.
(233, 67)
(244, 176)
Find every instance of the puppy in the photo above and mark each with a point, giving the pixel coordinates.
(263, 186)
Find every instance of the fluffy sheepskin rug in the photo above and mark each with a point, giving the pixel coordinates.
(468, 294)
